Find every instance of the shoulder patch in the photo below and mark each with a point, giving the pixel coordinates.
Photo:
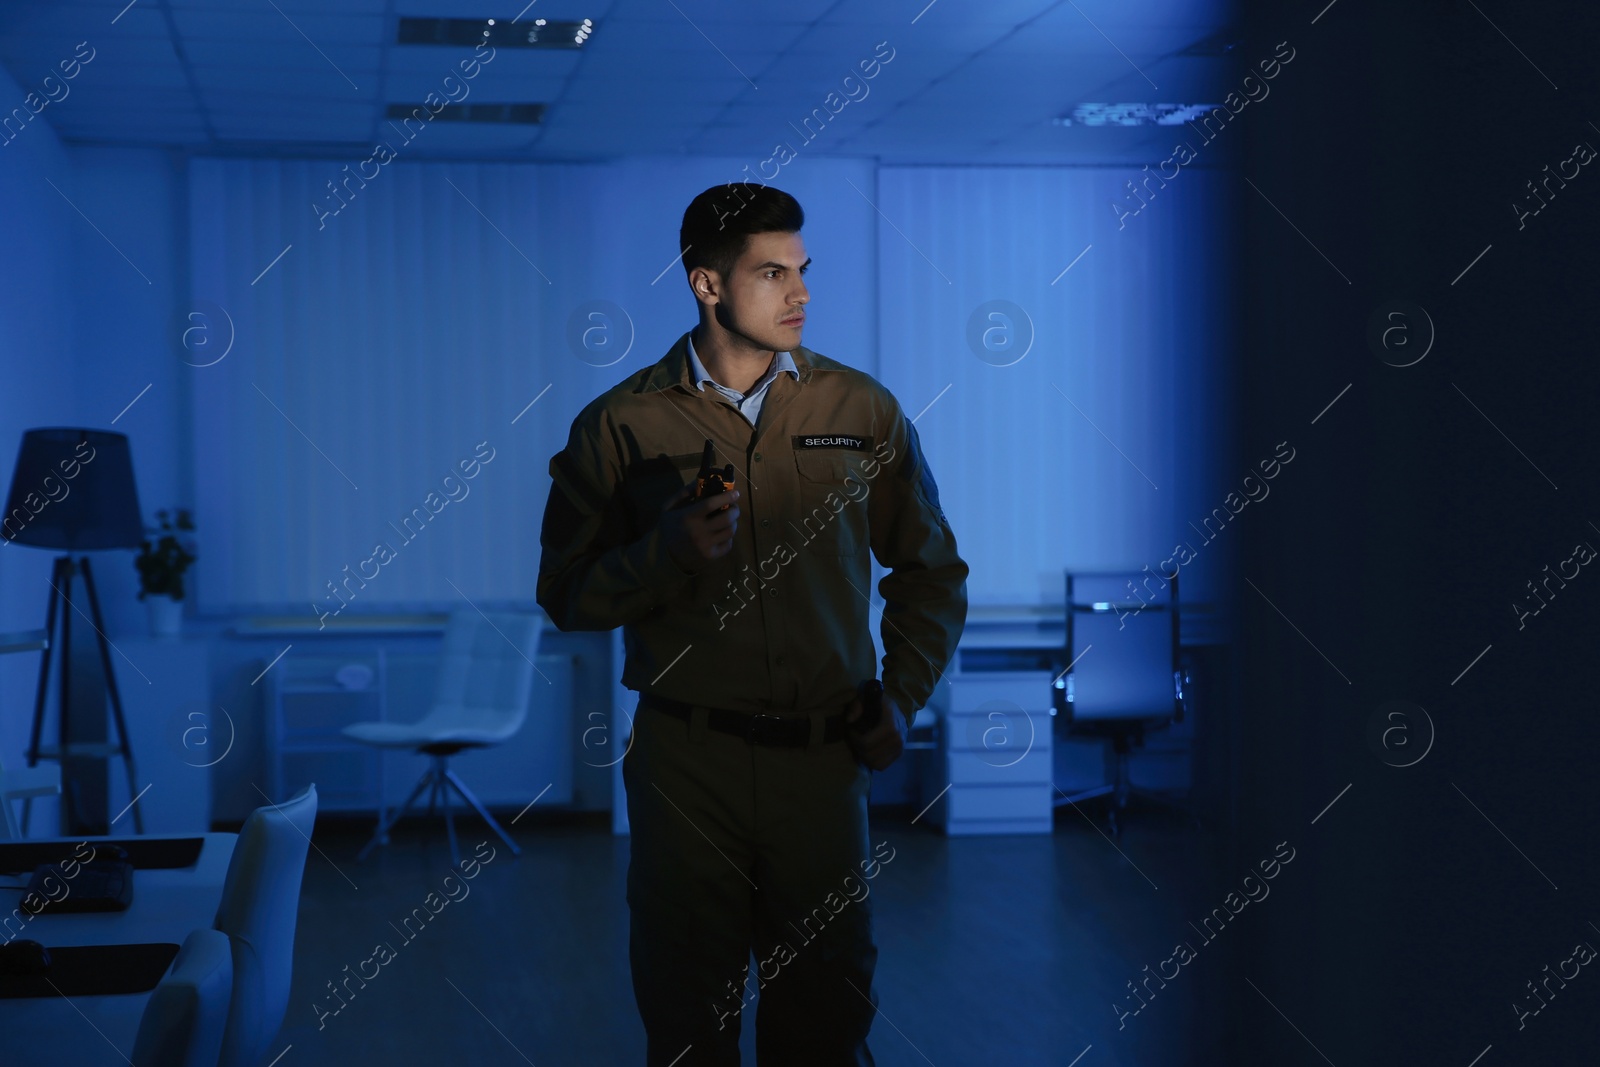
(915, 466)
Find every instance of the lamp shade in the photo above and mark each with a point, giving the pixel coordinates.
(73, 490)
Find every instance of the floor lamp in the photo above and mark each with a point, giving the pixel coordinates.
(73, 491)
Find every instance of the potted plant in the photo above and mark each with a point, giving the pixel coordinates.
(161, 570)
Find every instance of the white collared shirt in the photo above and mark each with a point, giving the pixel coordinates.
(748, 404)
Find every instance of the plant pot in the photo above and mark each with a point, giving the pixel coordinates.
(166, 615)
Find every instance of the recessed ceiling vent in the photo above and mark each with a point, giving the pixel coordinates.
(497, 33)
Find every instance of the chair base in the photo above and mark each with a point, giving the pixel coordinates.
(1120, 790)
(439, 780)
(1115, 809)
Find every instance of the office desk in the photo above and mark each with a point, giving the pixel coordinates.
(167, 905)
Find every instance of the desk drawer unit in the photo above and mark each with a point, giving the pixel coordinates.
(991, 773)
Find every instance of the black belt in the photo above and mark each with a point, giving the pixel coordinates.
(791, 731)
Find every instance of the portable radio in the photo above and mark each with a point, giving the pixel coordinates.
(711, 481)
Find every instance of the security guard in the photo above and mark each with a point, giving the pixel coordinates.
(745, 618)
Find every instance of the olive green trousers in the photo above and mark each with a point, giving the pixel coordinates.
(736, 849)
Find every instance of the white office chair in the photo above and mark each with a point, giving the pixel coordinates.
(187, 1014)
(24, 783)
(260, 902)
(485, 679)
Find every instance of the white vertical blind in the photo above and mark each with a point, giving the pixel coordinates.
(1097, 447)
(381, 349)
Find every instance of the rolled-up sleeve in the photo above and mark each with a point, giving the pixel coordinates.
(592, 574)
(925, 591)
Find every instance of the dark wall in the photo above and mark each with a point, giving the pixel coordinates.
(1419, 506)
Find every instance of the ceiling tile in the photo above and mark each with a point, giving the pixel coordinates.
(963, 81)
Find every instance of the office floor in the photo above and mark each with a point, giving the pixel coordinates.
(1005, 950)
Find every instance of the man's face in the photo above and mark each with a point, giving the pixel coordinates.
(763, 298)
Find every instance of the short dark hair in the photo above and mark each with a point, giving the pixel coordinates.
(718, 223)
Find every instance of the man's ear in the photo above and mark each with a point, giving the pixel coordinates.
(706, 285)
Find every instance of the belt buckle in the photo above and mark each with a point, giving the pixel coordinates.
(757, 733)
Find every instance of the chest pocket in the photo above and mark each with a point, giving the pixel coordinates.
(828, 520)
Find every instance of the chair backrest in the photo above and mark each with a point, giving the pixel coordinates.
(486, 671)
(1122, 636)
(184, 1019)
(260, 902)
(35, 781)
(23, 783)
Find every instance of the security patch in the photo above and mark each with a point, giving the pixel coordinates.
(832, 440)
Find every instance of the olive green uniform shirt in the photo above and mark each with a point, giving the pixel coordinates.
(832, 470)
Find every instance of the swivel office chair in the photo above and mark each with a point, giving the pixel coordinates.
(1124, 677)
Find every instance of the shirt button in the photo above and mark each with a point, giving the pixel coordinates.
(758, 457)
(773, 591)
(766, 522)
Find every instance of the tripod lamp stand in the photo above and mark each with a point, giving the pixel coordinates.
(73, 491)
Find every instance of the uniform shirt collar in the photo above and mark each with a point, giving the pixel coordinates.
(698, 374)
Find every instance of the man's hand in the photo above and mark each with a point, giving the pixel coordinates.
(880, 746)
(695, 532)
